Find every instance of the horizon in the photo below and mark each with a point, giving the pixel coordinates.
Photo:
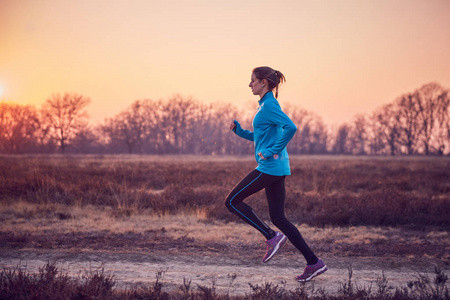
(340, 58)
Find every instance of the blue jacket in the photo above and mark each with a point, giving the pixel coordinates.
(272, 130)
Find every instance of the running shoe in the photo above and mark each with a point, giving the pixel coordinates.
(273, 245)
(312, 271)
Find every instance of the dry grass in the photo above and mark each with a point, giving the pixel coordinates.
(25, 219)
(351, 205)
(322, 191)
(50, 283)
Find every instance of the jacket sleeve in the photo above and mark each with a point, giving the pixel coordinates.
(245, 134)
(280, 119)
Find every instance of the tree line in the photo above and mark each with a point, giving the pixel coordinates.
(415, 123)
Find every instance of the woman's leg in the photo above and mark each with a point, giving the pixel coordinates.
(252, 183)
(276, 195)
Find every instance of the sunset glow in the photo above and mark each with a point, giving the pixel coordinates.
(340, 58)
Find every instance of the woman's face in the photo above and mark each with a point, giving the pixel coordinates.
(256, 85)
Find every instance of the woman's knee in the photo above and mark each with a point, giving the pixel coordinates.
(228, 204)
(233, 200)
(280, 221)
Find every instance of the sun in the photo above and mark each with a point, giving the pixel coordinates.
(1, 91)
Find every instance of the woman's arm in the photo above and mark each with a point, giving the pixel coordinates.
(245, 134)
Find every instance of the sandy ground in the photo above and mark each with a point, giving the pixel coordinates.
(183, 247)
(131, 269)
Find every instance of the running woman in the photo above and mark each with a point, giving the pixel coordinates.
(272, 130)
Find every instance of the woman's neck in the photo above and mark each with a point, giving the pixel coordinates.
(264, 92)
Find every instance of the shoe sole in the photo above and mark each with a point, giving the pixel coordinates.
(316, 273)
(277, 248)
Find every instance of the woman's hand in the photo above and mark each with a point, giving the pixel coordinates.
(261, 155)
(232, 126)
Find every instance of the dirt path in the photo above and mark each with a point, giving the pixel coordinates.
(133, 268)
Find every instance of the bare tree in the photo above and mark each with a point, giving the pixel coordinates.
(407, 113)
(86, 140)
(312, 134)
(65, 115)
(317, 141)
(432, 101)
(222, 140)
(127, 128)
(153, 133)
(441, 134)
(375, 140)
(132, 126)
(46, 143)
(342, 138)
(204, 136)
(113, 138)
(177, 121)
(303, 120)
(358, 135)
(385, 130)
(18, 127)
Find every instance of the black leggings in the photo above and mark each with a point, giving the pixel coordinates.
(275, 194)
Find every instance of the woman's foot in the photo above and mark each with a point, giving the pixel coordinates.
(312, 271)
(273, 245)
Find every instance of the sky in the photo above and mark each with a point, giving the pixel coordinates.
(340, 57)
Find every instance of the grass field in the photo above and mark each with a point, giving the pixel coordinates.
(344, 206)
(330, 190)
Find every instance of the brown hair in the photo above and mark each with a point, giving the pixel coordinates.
(273, 77)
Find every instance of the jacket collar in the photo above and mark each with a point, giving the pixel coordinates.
(266, 96)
